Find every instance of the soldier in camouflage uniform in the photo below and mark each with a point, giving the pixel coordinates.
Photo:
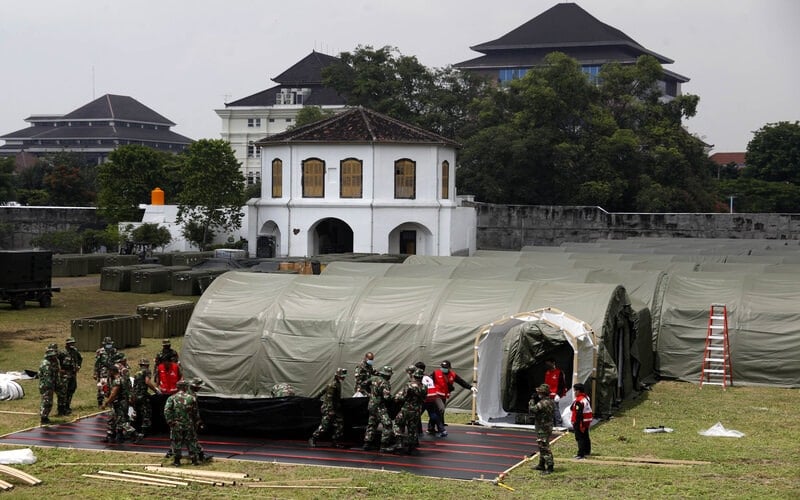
(406, 421)
(70, 360)
(166, 352)
(182, 415)
(363, 374)
(380, 395)
(102, 361)
(332, 418)
(118, 427)
(48, 377)
(140, 398)
(194, 387)
(282, 390)
(542, 409)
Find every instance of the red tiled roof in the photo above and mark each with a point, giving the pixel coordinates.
(726, 158)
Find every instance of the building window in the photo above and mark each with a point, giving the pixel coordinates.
(277, 178)
(405, 179)
(288, 120)
(445, 180)
(508, 74)
(254, 122)
(272, 120)
(313, 178)
(350, 179)
(593, 73)
(253, 151)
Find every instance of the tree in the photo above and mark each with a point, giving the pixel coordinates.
(71, 180)
(59, 241)
(773, 154)
(213, 188)
(129, 176)
(310, 114)
(151, 235)
(7, 191)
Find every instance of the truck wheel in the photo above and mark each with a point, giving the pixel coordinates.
(45, 301)
(18, 303)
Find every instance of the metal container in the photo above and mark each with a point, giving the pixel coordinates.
(165, 319)
(124, 330)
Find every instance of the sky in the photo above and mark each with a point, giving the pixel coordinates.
(186, 58)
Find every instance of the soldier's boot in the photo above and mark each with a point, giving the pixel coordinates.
(539, 466)
(546, 472)
(108, 439)
(44, 420)
(205, 457)
(388, 448)
(168, 453)
(312, 442)
(176, 460)
(195, 461)
(137, 438)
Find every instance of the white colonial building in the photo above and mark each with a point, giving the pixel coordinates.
(358, 182)
(273, 110)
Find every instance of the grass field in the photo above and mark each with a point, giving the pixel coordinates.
(765, 463)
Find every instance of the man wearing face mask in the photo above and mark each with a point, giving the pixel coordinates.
(102, 362)
(364, 372)
(444, 380)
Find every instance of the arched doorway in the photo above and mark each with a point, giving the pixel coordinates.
(411, 239)
(268, 241)
(331, 236)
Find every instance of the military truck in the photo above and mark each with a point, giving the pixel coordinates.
(26, 275)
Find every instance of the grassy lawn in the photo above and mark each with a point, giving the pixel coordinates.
(765, 463)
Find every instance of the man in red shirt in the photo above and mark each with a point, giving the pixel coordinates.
(554, 378)
(581, 421)
(444, 380)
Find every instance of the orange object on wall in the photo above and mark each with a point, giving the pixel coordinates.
(157, 196)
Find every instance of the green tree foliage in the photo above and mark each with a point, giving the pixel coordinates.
(199, 235)
(310, 114)
(59, 241)
(773, 154)
(253, 191)
(127, 179)
(759, 196)
(213, 188)
(71, 180)
(152, 235)
(556, 137)
(93, 240)
(7, 188)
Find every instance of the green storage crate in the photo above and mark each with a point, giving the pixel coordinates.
(190, 258)
(124, 330)
(193, 282)
(114, 259)
(118, 278)
(150, 280)
(70, 265)
(165, 319)
(96, 262)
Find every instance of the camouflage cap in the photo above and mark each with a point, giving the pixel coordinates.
(418, 373)
(50, 352)
(182, 383)
(108, 340)
(386, 371)
(544, 389)
(410, 369)
(144, 362)
(196, 382)
(341, 372)
(70, 340)
(166, 342)
(52, 345)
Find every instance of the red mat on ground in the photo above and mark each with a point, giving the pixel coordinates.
(467, 452)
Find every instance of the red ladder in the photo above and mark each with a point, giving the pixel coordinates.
(717, 369)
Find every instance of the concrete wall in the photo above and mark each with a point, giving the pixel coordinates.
(510, 227)
(29, 222)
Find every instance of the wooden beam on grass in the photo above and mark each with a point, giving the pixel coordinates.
(4, 486)
(656, 460)
(217, 482)
(620, 462)
(22, 476)
(125, 480)
(305, 486)
(200, 473)
(135, 476)
(305, 481)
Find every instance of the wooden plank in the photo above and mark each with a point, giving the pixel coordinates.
(304, 486)
(217, 482)
(124, 480)
(655, 460)
(133, 476)
(22, 476)
(620, 462)
(305, 481)
(199, 473)
(5, 486)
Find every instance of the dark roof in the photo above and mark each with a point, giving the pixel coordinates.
(103, 131)
(358, 125)
(307, 70)
(116, 107)
(726, 158)
(319, 96)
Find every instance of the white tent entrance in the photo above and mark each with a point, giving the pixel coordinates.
(498, 356)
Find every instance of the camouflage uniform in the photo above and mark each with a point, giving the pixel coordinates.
(70, 360)
(182, 415)
(48, 377)
(166, 352)
(412, 396)
(102, 362)
(363, 374)
(282, 390)
(542, 411)
(118, 427)
(380, 394)
(332, 418)
(141, 396)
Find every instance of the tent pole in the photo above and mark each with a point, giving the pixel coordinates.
(475, 373)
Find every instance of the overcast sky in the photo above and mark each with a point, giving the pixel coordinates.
(186, 58)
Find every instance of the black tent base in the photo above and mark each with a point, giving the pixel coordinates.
(468, 452)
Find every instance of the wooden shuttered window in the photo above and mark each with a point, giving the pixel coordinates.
(313, 178)
(351, 179)
(277, 178)
(405, 179)
(445, 180)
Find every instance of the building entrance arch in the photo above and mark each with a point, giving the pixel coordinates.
(330, 235)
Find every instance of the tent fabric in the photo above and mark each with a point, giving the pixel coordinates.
(249, 331)
(763, 326)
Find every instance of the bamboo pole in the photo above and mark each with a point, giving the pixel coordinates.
(201, 473)
(217, 482)
(105, 464)
(304, 486)
(22, 476)
(125, 480)
(303, 481)
(136, 476)
(19, 412)
(5, 486)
